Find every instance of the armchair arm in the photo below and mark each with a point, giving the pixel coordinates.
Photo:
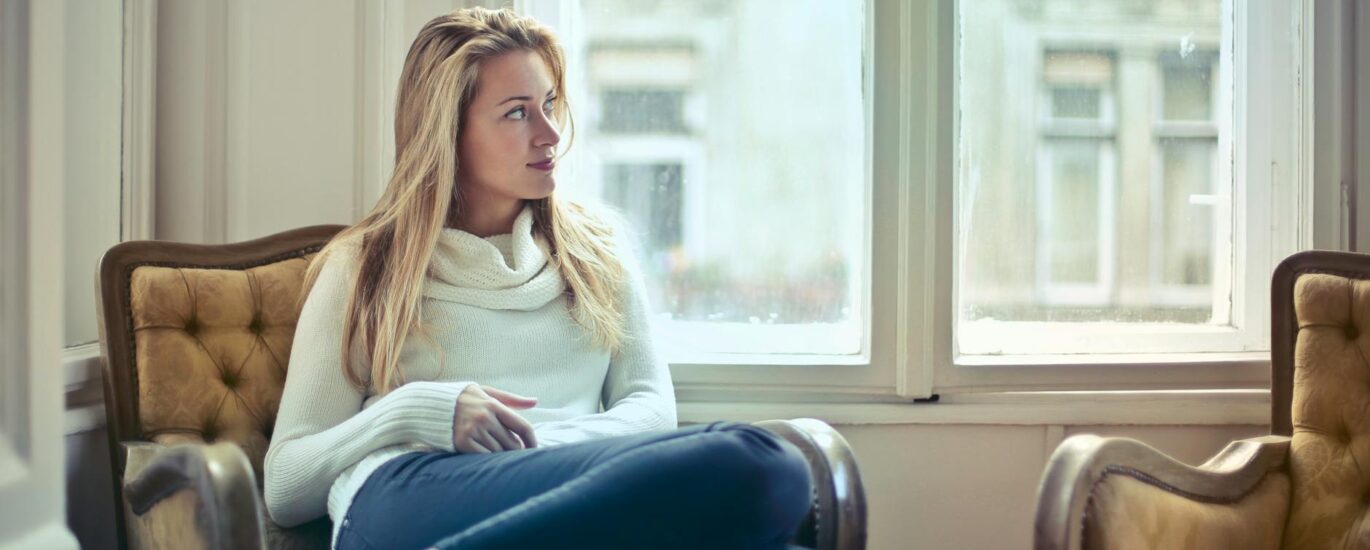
(837, 520)
(191, 496)
(1241, 492)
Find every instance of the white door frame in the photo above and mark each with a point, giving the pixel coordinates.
(32, 473)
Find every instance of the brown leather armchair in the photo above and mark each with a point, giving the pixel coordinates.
(195, 342)
(1307, 485)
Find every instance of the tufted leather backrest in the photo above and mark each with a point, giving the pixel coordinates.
(1330, 413)
(195, 340)
(211, 349)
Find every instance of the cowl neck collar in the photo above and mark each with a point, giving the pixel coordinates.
(507, 271)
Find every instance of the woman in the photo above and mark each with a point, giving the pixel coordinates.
(456, 346)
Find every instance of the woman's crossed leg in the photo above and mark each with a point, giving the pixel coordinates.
(719, 485)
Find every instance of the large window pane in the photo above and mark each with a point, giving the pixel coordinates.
(1187, 210)
(742, 171)
(1082, 103)
(642, 110)
(1187, 92)
(650, 195)
(1072, 216)
(1087, 185)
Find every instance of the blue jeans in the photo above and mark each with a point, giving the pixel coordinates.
(722, 485)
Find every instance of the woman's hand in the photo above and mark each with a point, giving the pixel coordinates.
(485, 421)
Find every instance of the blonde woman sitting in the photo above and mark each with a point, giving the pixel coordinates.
(473, 367)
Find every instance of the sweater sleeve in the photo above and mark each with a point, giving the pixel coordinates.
(638, 395)
(321, 428)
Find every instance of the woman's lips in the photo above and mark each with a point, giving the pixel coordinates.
(546, 165)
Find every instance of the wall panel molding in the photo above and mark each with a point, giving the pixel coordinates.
(380, 55)
(216, 116)
(138, 215)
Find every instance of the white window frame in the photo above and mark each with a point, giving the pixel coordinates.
(1272, 96)
(909, 342)
(1009, 342)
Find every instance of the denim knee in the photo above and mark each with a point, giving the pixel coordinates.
(771, 476)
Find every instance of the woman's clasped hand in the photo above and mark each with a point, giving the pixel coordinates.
(485, 421)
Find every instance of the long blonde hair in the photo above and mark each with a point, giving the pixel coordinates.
(398, 236)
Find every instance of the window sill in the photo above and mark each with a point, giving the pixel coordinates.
(1073, 408)
(1246, 358)
(85, 398)
(1250, 407)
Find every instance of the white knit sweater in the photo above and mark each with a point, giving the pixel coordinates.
(497, 310)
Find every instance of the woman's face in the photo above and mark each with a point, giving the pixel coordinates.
(509, 135)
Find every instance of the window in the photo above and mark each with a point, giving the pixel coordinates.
(1001, 195)
(1097, 219)
(742, 172)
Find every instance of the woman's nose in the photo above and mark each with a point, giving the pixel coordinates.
(546, 134)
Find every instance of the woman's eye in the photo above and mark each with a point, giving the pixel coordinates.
(549, 104)
(516, 114)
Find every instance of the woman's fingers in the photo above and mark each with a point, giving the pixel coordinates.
(483, 437)
(517, 424)
(503, 436)
(486, 420)
(511, 399)
(470, 446)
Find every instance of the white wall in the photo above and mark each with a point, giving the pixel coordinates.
(92, 130)
(975, 486)
(257, 118)
(276, 115)
(1361, 58)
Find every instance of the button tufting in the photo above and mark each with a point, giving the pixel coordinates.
(1352, 332)
(1344, 435)
(229, 379)
(256, 325)
(192, 326)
